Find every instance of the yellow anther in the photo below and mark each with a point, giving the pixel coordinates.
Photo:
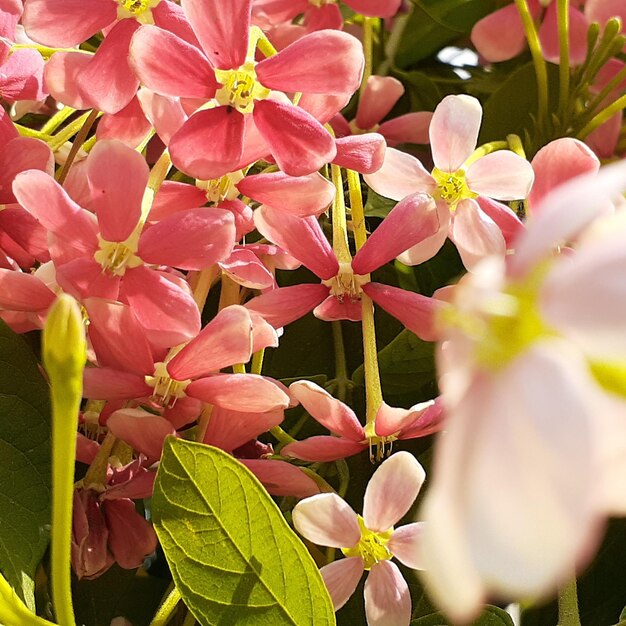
(372, 546)
(452, 186)
(167, 390)
(117, 256)
(220, 189)
(141, 10)
(240, 88)
(346, 283)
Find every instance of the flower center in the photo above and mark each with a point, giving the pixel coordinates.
(452, 186)
(346, 283)
(240, 88)
(220, 189)
(117, 256)
(321, 3)
(166, 389)
(138, 9)
(372, 546)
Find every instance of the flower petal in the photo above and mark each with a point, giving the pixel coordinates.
(362, 153)
(338, 417)
(405, 544)
(341, 578)
(454, 131)
(391, 491)
(327, 520)
(387, 597)
(323, 448)
(141, 430)
(379, 96)
(281, 478)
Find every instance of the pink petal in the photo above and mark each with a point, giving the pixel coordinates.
(102, 383)
(117, 176)
(68, 23)
(362, 153)
(230, 429)
(323, 449)
(387, 597)
(338, 417)
(300, 195)
(282, 479)
(117, 337)
(507, 221)
(178, 70)
(500, 35)
(411, 221)
(190, 240)
(302, 237)
(61, 78)
(327, 520)
(381, 93)
(107, 81)
(282, 306)
(25, 231)
(141, 430)
(341, 578)
(375, 8)
(475, 234)
(549, 35)
(322, 106)
(299, 143)
(327, 62)
(240, 392)
(415, 311)
(23, 292)
(245, 268)
(454, 131)
(429, 247)
(405, 544)
(407, 128)
(422, 419)
(225, 340)
(172, 197)
(222, 30)
(22, 76)
(168, 314)
(84, 278)
(391, 491)
(558, 162)
(128, 125)
(503, 175)
(333, 309)
(400, 175)
(131, 537)
(209, 144)
(10, 13)
(165, 114)
(48, 202)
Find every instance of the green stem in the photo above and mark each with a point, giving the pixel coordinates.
(608, 88)
(78, 142)
(568, 604)
(564, 68)
(158, 174)
(602, 117)
(541, 71)
(486, 148)
(344, 477)
(257, 362)
(189, 620)
(340, 227)
(399, 24)
(281, 436)
(373, 390)
(68, 132)
(168, 606)
(24, 131)
(57, 119)
(356, 209)
(368, 46)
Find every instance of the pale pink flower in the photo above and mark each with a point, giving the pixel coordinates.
(370, 541)
(532, 461)
(458, 183)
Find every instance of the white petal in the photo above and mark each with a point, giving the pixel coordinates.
(341, 578)
(387, 597)
(405, 544)
(392, 490)
(327, 520)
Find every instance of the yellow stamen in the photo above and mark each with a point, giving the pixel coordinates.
(240, 88)
(141, 10)
(346, 283)
(167, 390)
(372, 546)
(452, 186)
(220, 189)
(118, 256)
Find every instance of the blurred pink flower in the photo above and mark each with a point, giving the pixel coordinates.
(370, 541)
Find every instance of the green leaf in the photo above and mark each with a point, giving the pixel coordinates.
(233, 557)
(377, 205)
(406, 365)
(491, 616)
(25, 466)
(435, 23)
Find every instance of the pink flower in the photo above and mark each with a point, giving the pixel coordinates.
(531, 375)
(462, 187)
(252, 116)
(391, 424)
(380, 95)
(370, 541)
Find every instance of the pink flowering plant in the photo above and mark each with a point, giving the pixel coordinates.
(312, 312)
